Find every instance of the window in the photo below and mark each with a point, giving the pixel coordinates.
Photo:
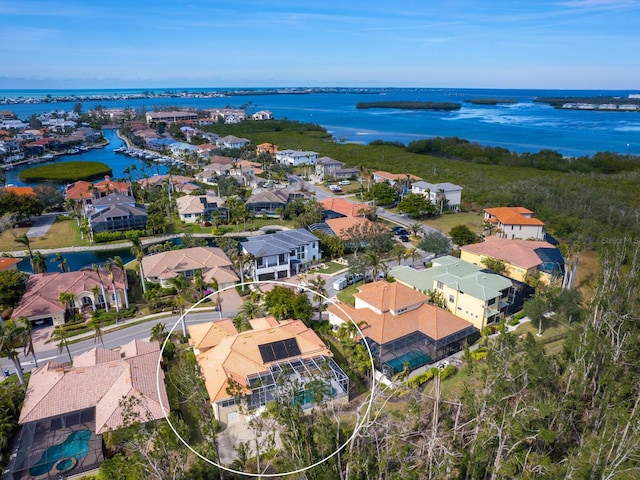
(439, 285)
(451, 299)
(491, 302)
(260, 262)
(281, 259)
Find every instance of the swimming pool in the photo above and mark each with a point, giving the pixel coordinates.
(64, 456)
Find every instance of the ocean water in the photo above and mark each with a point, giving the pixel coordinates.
(525, 126)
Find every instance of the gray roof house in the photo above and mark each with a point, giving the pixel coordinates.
(268, 202)
(280, 255)
(452, 193)
(116, 212)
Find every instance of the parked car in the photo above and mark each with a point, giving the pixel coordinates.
(401, 231)
(354, 278)
(344, 182)
(335, 188)
(403, 238)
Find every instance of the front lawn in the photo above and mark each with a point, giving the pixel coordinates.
(63, 233)
(444, 223)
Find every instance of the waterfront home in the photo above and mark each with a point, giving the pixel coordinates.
(91, 290)
(274, 361)
(87, 192)
(514, 222)
(69, 406)
(181, 149)
(9, 263)
(227, 115)
(211, 262)
(523, 259)
(262, 115)
(172, 116)
(468, 290)
(446, 194)
(296, 158)
(401, 328)
(176, 183)
(116, 212)
(18, 190)
(282, 254)
(192, 208)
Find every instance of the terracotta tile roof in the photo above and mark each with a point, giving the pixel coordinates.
(238, 356)
(340, 226)
(99, 380)
(7, 262)
(385, 296)
(385, 327)
(44, 289)
(434, 322)
(513, 216)
(345, 207)
(20, 190)
(204, 336)
(82, 189)
(519, 253)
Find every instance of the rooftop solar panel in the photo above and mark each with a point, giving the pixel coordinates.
(279, 350)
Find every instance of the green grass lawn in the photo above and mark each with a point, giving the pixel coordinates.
(63, 233)
(346, 295)
(444, 223)
(332, 267)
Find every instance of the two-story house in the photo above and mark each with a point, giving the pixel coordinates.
(116, 212)
(401, 328)
(445, 194)
(194, 207)
(468, 291)
(295, 158)
(327, 167)
(281, 255)
(514, 222)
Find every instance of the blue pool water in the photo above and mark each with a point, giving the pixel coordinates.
(76, 445)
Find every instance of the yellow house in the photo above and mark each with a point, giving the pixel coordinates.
(523, 259)
(469, 291)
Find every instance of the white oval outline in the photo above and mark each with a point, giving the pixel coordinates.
(266, 475)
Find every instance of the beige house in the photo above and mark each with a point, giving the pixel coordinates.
(514, 223)
(211, 261)
(401, 327)
(41, 305)
(272, 361)
(193, 208)
(524, 259)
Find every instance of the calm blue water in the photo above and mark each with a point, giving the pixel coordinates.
(117, 162)
(522, 127)
(78, 260)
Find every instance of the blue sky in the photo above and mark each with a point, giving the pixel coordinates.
(421, 43)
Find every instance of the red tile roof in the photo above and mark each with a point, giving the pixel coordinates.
(345, 207)
(519, 253)
(513, 216)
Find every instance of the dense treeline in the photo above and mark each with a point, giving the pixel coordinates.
(460, 149)
(403, 105)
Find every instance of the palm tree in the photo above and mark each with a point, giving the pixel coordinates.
(28, 348)
(96, 325)
(159, 332)
(62, 262)
(67, 299)
(24, 240)
(318, 285)
(348, 330)
(117, 261)
(109, 267)
(183, 287)
(415, 228)
(399, 253)
(96, 269)
(374, 262)
(137, 250)
(441, 198)
(11, 338)
(248, 311)
(59, 335)
(414, 254)
(39, 262)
